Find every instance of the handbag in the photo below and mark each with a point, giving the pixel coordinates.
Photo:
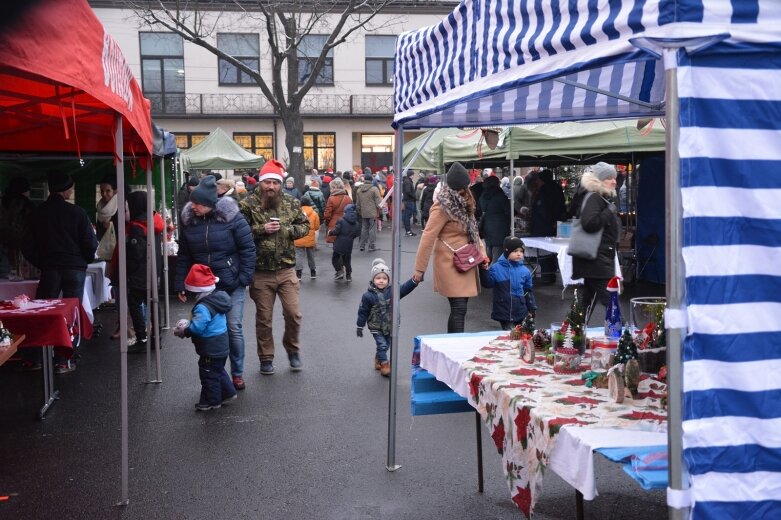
(583, 244)
(465, 257)
(107, 244)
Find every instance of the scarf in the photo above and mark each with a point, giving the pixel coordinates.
(106, 210)
(455, 208)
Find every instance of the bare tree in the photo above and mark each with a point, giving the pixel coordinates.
(286, 23)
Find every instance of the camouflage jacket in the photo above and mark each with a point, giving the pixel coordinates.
(275, 251)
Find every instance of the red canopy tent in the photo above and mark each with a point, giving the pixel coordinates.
(65, 88)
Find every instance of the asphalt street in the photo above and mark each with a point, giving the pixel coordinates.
(307, 445)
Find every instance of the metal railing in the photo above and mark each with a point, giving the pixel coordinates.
(333, 105)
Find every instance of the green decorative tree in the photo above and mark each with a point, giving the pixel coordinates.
(659, 339)
(577, 316)
(626, 348)
(528, 324)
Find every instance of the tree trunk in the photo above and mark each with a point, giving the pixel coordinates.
(294, 141)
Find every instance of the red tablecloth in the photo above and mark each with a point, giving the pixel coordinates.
(55, 323)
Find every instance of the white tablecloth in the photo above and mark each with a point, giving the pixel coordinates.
(572, 456)
(559, 246)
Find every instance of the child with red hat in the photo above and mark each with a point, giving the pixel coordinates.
(208, 328)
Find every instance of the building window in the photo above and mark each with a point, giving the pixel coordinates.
(320, 151)
(162, 71)
(257, 143)
(380, 51)
(243, 47)
(308, 51)
(188, 140)
(376, 143)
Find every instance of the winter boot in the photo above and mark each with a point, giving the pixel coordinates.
(385, 368)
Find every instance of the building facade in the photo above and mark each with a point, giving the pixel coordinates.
(347, 114)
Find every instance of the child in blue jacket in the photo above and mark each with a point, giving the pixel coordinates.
(511, 281)
(208, 329)
(374, 311)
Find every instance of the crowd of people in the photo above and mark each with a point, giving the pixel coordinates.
(259, 234)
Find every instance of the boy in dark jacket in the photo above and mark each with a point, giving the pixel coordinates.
(346, 231)
(208, 329)
(374, 311)
(511, 281)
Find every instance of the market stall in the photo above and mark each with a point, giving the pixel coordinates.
(707, 66)
(219, 152)
(68, 92)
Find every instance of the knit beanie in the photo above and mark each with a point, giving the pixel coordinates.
(136, 205)
(511, 244)
(379, 266)
(273, 170)
(193, 181)
(200, 279)
(457, 177)
(306, 200)
(58, 181)
(205, 193)
(604, 171)
(367, 177)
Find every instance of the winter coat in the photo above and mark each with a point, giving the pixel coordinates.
(495, 220)
(318, 201)
(334, 210)
(59, 236)
(308, 240)
(513, 298)
(427, 200)
(221, 239)
(596, 215)
(293, 192)
(448, 281)
(135, 245)
(275, 251)
(407, 190)
(374, 309)
(547, 208)
(346, 231)
(367, 200)
(209, 325)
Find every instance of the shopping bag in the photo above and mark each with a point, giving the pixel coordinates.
(583, 244)
(107, 244)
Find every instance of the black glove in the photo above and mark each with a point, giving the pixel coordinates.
(359, 332)
(612, 207)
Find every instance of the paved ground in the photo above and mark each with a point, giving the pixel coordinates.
(309, 445)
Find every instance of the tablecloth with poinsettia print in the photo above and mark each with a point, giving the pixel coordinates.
(524, 406)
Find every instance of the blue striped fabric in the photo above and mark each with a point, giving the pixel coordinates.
(732, 397)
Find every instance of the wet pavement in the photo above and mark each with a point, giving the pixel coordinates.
(294, 445)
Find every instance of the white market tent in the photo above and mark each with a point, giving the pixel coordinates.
(219, 152)
(711, 68)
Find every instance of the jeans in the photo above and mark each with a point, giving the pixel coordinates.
(235, 332)
(136, 298)
(266, 285)
(339, 261)
(383, 344)
(455, 322)
(69, 282)
(368, 232)
(216, 386)
(307, 253)
(406, 215)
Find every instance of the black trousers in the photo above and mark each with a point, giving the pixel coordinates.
(455, 322)
(346, 261)
(593, 291)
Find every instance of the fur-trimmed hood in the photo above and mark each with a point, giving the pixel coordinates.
(589, 182)
(225, 211)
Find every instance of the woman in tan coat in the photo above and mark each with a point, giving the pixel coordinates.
(451, 220)
(334, 208)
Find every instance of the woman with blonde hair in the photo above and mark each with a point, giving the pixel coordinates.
(451, 224)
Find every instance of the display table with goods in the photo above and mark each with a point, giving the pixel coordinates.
(559, 247)
(8, 344)
(51, 324)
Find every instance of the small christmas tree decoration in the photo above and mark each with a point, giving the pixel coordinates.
(626, 348)
(613, 319)
(5, 336)
(577, 316)
(528, 325)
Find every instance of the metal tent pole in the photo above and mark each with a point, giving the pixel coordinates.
(675, 280)
(153, 329)
(165, 210)
(122, 297)
(512, 196)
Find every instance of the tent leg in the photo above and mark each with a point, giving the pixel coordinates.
(479, 439)
(167, 210)
(512, 196)
(121, 195)
(153, 329)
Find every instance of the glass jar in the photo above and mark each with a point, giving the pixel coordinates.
(648, 309)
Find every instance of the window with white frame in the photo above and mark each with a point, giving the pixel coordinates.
(308, 51)
(162, 71)
(380, 51)
(243, 47)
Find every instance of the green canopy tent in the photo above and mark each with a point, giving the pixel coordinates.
(219, 152)
(430, 156)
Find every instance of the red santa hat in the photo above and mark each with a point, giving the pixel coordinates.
(273, 170)
(251, 180)
(200, 279)
(614, 285)
(329, 170)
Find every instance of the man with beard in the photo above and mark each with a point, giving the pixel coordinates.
(276, 220)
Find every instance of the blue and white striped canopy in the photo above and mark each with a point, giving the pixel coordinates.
(501, 62)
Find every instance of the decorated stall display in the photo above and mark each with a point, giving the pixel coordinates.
(648, 318)
(5, 337)
(602, 348)
(614, 322)
(541, 340)
(571, 330)
(524, 334)
(626, 360)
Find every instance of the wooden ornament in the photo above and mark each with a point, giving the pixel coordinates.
(615, 386)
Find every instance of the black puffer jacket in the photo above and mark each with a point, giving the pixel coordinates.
(221, 239)
(495, 210)
(596, 214)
